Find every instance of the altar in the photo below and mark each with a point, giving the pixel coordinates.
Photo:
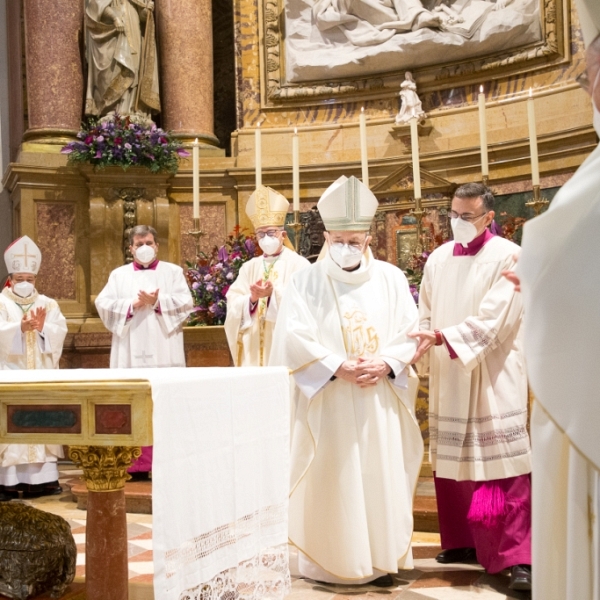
(220, 471)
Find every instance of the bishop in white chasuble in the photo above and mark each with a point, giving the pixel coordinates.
(356, 444)
(254, 298)
(32, 333)
(480, 450)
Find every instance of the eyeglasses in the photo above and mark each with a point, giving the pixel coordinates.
(271, 233)
(466, 217)
(584, 82)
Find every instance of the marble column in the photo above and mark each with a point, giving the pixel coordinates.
(53, 34)
(105, 473)
(186, 59)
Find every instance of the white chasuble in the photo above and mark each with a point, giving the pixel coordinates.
(249, 334)
(30, 350)
(560, 281)
(151, 336)
(478, 401)
(356, 452)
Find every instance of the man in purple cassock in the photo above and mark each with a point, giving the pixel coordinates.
(470, 318)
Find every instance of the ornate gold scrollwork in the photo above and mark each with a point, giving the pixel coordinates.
(104, 467)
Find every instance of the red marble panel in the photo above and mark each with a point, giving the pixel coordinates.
(113, 418)
(56, 240)
(213, 221)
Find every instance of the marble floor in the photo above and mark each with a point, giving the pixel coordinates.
(428, 581)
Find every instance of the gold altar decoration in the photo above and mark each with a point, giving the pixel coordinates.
(104, 467)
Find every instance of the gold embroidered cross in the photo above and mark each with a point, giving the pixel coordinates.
(24, 255)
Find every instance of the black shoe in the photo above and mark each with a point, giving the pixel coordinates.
(140, 476)
(520, 578)
(5, 497)
(52, 488)
(384, 581)
(457, 555)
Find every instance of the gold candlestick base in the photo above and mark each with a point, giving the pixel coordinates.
(539, 203)
(485, 179)
(196, 233)
(297, 227)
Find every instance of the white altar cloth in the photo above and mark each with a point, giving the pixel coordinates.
(220, 477)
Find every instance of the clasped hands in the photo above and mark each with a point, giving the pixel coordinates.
(363, 372)
(34, 320)
(260, 289)
(145, 299)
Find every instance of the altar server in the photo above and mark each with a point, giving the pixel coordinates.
(32, 333)
(145, 305)
(479, 444)
(254, 298)
(560, 281)
(356, 446)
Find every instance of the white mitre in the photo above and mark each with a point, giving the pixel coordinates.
(589, 17)
(347, 205)
(267, 208)
(23, 256)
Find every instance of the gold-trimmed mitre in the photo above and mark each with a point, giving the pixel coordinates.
(267, 208)
(347, 205)
(589, 17)
(23, 256)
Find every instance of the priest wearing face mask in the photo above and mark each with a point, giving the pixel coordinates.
(356, 446)
(145, 305)
(470, 319)
(254, 298)
(32, 332)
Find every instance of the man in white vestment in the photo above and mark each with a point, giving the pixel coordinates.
(145, 305)
(470, 316)
(356, 445)
(254, 298)
(32, 333)
(559, 268)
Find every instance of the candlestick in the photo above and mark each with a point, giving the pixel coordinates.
(296, 226)
(295, 171)
(196, 179)
(485, 170)
(196, 233)
(258, 156)
(533, 148)
(538, 203)
(364, 158)
(414, 142)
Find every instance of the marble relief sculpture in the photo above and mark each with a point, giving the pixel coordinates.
(121, 56)
(411, 103)
(358, 38)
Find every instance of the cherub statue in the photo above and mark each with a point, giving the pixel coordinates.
(412, 106)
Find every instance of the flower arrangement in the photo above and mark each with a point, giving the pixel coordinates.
(211, 277)
(125, 141)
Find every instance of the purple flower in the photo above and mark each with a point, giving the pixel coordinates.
(127, 145)
(195, 285)
(229, 275)
(223, 254)
(67, 149)
(213, 308)
(210, 287)
(183, 153)
(98, 154)
(100, 138)
(207, 277)
(250, 247)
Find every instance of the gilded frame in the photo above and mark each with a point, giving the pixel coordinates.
(552, 50)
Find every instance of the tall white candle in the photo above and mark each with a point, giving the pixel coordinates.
(196, 179)
(296, 170)
(258, 156)
(364, 157)
(533, 147)
(414, 143)
(483, 134)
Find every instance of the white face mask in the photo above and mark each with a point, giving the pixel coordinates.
(463, 231)
(596, 120)
(24, 289)
(269, 245)
(145, 254)
(345, 256)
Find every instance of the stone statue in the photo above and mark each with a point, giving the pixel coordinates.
(121, 56)
(411, 104)
(367, 23)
